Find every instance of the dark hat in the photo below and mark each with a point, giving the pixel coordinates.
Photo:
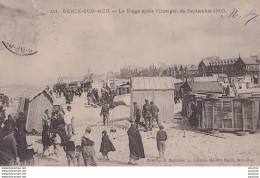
(134, 102)
(161, 127)
(151, 102)
(68, 107)
(104, 132)
(88, 129)
(133, 124)
(21, 114)
(146, 100)
(68, 136)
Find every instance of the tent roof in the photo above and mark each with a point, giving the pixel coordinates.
(31, 93)
(153, 83)
(204, 87)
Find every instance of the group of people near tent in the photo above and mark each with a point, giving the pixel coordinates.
(14, 147)
(149, 112)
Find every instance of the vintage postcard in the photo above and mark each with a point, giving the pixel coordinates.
(129, 83)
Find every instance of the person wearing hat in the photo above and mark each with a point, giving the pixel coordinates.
(137, 115)
(46, 118)
(21, 122)
(9, 148)
(105, 112)
(147, 115)
(161, 137)
(155, 111)
(2, 114)
(136, 146)
(88, 151)
(9, 124)
(192, 113)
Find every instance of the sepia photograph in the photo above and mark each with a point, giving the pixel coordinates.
(129, 83)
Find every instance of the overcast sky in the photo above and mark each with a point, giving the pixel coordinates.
(71, 43)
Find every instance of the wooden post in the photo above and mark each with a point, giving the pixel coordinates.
(243, 115)
(203, 104)
(253, 114)
(222, 115)
(233, 115)
(213, 115)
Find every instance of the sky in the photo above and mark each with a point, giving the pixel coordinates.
(70, 44)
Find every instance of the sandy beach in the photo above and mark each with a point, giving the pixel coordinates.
(184, 147)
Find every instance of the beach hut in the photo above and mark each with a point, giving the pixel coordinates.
(229, 113)
(190, 88)
(33, 103)
(157, 89)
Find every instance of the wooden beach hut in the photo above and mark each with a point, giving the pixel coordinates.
(191, 88)
(229, 114)
(33, 103)
(157, 89)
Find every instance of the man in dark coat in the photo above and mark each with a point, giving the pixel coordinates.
(192, 113)
(105, 113)
(135, 144)
(155, 111)
(137, 115)
(147, 115)
(8, 150)
(21, 122)
(9, 124)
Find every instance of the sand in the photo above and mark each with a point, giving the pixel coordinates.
(185, 147)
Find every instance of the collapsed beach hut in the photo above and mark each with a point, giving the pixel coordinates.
(229, 113)
(157, 89)
(190, 89)
(33, 103)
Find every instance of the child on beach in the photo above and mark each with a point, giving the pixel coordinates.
(69, 148)
(161, 138)
(106, 145)
(78, 155)
(56, 144)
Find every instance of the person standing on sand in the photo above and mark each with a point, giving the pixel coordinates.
(155, 111)
(192, 113)
(9, 124)
(21, 122)
(9, 148)
(147, 115)
(137, 115)
(88, 151)
(69, 148)
(161, 137)
(69, 121)
(105, 112)
(46, 140)
(46, 120)
(135, 144)
(106, 145)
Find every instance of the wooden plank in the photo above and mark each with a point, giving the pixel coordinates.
(213, 115)
(243, 115)
(222, 114)
(253, 114)
(203, 105)
(233, 116)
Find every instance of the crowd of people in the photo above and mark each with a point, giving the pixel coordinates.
(58, 129)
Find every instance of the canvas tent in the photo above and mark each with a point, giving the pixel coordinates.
(157, 89)
(33, 103)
